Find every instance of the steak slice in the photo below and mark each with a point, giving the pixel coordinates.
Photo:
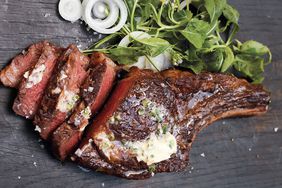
(61, 95)
(94, 92)
(13, 73)
(151, 120)
(33, 84)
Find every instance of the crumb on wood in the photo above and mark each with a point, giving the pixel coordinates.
(257, 156)
(47, 15)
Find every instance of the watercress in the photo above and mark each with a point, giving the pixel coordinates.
(198, 34)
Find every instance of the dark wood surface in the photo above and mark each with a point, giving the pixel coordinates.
(242, 152)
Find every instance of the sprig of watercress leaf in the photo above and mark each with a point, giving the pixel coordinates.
(199, 37)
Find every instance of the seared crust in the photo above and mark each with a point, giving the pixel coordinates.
(190, 102)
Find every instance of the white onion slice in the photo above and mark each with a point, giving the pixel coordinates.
(183, 4)
(136, 35)
(161, 62)
(107, 22)
(112, 23)
(99, 10)
(70, 10)
(141, 63)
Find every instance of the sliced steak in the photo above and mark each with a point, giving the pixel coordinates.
(61, 95)
(151, 120)
(94, 92)
(13, 73)
(32, 86)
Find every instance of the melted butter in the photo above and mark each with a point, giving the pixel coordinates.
(84, 114)
(36, 76)
(105, 144)
(155, 149)
(67, 102)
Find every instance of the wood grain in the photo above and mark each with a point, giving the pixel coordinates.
(238, 152)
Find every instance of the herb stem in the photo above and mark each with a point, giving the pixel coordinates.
(152, 63)
(132, 15)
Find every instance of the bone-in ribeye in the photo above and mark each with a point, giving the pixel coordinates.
(150, 113)
(148, 122)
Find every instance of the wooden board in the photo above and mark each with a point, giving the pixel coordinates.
(238, 152)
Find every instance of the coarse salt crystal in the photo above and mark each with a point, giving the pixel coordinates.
(57, 90)
(47, 15)
(203, 155)
(90, 89)
(35, 164)
(19, 177)
(63, 75)
(78, 152)
(250, 149)
(103, 184)
(276, 129)
(26, 74)
(37, 128)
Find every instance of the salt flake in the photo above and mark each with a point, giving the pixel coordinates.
(37, 128)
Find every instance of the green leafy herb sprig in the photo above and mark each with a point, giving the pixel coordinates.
(199, 37)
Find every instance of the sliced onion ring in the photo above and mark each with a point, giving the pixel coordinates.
(183, 4)
(111, 19)
(161, 62)
(117, 13)
(70, 10)
(135, 34)
(99, 10)
(141, 63)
